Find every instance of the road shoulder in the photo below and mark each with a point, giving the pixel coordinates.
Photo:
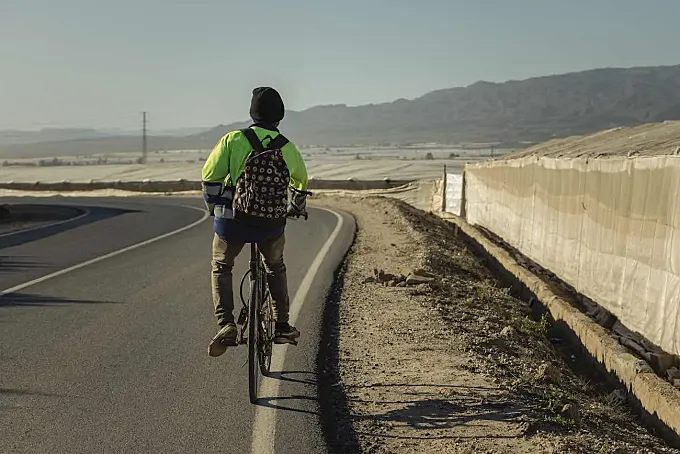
(450, 362)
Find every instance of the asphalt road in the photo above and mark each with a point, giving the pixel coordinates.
(112, 356)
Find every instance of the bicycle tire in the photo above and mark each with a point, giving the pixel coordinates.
(253, 338)
(267, 333)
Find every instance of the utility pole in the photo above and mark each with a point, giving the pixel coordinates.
(143, 161)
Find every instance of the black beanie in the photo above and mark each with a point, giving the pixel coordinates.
(266, 105)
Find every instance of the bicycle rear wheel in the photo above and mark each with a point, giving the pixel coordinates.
(253, 335)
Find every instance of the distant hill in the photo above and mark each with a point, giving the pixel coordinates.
(535, 109)
(21, 137)
(17, 137)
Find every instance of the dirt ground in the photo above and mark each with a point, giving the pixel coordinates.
(447, 361)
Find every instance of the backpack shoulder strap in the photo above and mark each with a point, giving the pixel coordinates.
(253, 139)
(277, 142)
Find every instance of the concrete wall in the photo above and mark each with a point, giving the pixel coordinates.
(608, 227)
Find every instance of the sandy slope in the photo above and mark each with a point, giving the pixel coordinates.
(653, 139)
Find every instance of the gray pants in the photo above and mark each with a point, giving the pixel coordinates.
(223, 256)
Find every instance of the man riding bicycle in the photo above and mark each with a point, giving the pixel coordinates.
(245, 185)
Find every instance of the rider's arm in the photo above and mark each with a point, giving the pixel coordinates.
(296, 166)
(215, 172)
(298, 178)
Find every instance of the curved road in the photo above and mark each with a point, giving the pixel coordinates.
(111, 356)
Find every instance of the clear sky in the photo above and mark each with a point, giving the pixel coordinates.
(94, 63)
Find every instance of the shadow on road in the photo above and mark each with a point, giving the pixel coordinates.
(292, 376)
(25, 392)
(288, 376)
(15, 264)
(272, 402)
(27, 300)
(17, 399)
(95, 214)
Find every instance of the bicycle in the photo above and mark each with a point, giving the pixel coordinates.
(257, 318)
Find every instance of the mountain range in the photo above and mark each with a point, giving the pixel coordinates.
(530, 110)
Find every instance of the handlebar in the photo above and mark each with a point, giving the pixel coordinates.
(307, 193)
(294, 215)
(297, 215)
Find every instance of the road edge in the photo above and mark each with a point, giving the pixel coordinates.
(336, 426)
(264, 422)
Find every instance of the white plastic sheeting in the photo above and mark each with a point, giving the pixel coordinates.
(454, 191)
(609, 227)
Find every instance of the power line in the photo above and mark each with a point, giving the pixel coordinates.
(143, 138)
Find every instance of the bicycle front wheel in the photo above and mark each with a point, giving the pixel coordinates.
(267, 334)
(253, 337)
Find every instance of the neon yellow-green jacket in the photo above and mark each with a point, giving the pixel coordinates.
(225, 165)
(228, 159)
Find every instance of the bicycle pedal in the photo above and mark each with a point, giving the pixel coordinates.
(242, 316)
(285, 342)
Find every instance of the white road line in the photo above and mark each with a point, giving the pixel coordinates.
(264, 425)
(109, 255)
(44, 226)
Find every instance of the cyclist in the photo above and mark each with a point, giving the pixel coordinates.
(233, 201)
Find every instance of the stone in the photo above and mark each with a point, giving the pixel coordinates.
(508, 331)
(673, 373)
(570, 411)
(605, 319)
(399, 279)
(616, 397)
(642, 366)
(676, 383)
(383, 277)
(416, 272)
(661, 362)
(634, 346)
(549, 372)
(422, 273)
(417, 280)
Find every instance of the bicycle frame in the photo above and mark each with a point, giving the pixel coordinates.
(257, 318)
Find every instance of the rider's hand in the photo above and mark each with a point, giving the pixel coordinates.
(298, 203)
(294, 212)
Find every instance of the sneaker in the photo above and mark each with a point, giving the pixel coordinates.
(225, 337)
(285, 334)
